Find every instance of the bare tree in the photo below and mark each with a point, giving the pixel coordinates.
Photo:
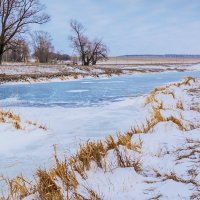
(42, 45)
(15, 16)
(90, 51)
(20, 52)
(79, 40)
(99, 52)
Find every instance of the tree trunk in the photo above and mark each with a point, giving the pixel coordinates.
(94, 61)
(1, 54)
(86, 63)
(83, 59)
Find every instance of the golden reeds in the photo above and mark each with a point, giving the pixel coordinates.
(65, 172)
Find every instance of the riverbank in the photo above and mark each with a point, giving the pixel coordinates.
(46, 73)
(156, 158)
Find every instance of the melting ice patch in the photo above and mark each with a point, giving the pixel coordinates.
(87, 82)
(110, 82)
(77, 91)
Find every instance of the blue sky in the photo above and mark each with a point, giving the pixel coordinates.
(129, 26)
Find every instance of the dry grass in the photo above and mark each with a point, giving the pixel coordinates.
(191, 150)
(63, 78)
(190, 179)
(187, 81)
(40, 126)
(97, 151)
(17, 125)
(157, 197)
(154, 120)
(108, 72)
(11, 118)
(126, 141)
(14, 119)
(91, 151)
(151, 97)
(195, 107)
(173, 176)
(177, 122)
(61, 181)
(157, 106)
(46, 187)
(125, 161)
(18, 188)
(66, 174)
(93, 195)
(75, 76)
(179, 105)
(170, 93)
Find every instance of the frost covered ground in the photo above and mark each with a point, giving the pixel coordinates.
(158, 158)
(15, 72)
(31, 69)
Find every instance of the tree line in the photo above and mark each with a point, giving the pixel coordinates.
(16, 16)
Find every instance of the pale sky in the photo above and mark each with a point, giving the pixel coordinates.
(129, 26)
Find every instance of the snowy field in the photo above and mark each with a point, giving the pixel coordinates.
(150, 60)
(34, 69)
(15, 72)
(24, 150)
(168, 121)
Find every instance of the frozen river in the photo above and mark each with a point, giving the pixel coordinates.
(73, 111)
(85, 92)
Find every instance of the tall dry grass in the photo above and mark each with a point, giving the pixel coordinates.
(157, 106)
(61, 181)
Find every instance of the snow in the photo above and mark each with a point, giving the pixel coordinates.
(13, 69)
(160, 149)
(101, 70)
(67, 127)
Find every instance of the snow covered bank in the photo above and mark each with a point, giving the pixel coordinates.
(157, 159)
(20, 150)
(45, 73)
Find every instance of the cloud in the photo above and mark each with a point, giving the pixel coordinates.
(129, 26)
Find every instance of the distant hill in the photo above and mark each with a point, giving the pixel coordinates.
(165, 56)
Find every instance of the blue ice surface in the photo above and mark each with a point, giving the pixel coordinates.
(86, 92)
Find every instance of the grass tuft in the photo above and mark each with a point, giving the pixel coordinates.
(46, 187)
